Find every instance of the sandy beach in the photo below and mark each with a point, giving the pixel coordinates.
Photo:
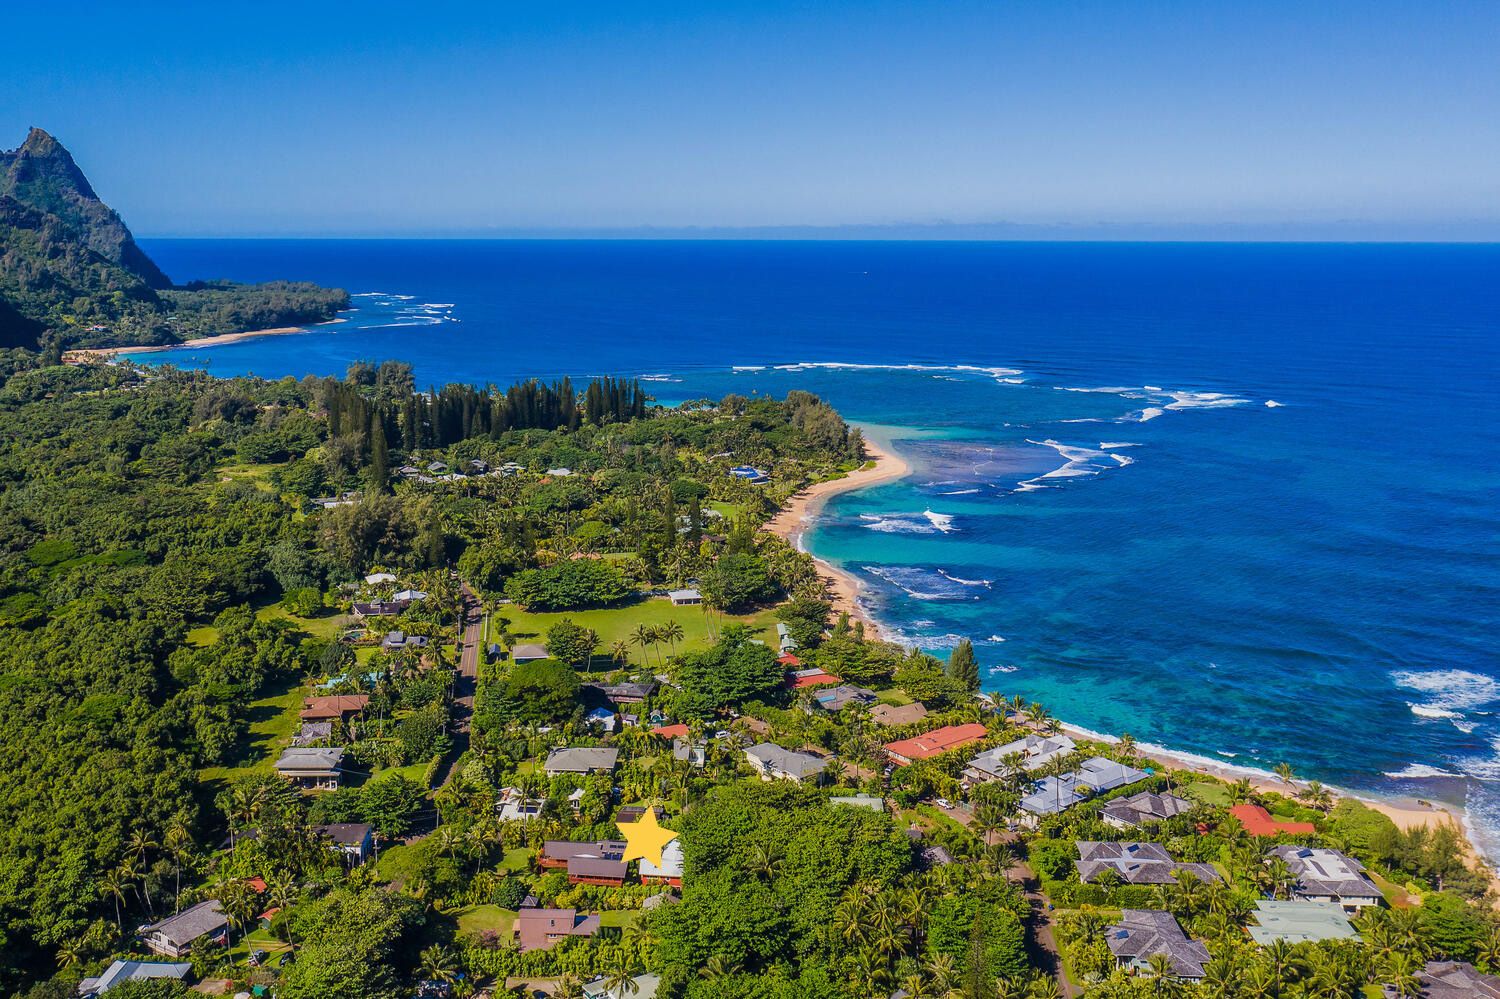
(106, 353)
(800, 511)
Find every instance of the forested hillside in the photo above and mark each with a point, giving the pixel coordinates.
(70, 271)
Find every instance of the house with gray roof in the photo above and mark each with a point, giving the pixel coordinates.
(641, 987)
(1034, 751)
(581, 760)
(1329, 876)
(176, 935)
(838, 698)
(1137, 863)
(120, 972)
(1299, 921)
(1049, 796)
(528, 652)
(774, 763)
(1101, 774)
(1142, 934)
(1452, 980)
(312, 768)
(1147, 806)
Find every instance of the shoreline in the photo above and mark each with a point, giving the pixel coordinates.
(801, 510)
(83, 354)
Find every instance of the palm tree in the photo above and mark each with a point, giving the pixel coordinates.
(440, 964)
(568, 987)
(179, 840)
(1127, 745)
(113, 885)
(717, 966)
(643, 635)
(1285, 773)
(672, 632)
(619, 982)
(620, 653)
(764, 861)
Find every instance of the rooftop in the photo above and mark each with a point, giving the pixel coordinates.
(1137, 863)
(1258, 822)
(787, 761)
(581, 759)
(936, 742)
(1144, 933)
(1299, 921)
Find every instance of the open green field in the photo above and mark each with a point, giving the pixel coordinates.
(273, 720)
(615, 624)
(324, 628)
(619, 917)
(1208, 792)
(473, 919)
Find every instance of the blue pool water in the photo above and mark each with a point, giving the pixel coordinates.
(1268, 530)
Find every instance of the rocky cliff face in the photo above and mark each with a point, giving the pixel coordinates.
(41, 174)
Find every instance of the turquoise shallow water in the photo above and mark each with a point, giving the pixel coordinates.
(1103, 494)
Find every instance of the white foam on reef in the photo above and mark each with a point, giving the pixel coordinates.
(437, 305)
(1003, 669)
(994, 638)
(1449, 694)
(1111, 445)
(1419, 771)
(659, 378)
(853, 366)
(959, 492)
(965, 582)
(942, 521)
(923, 584)
(1078, 461)
(748, 367)
(1226, 753)
(1147, 415)
(1273, 404)
(1204, 400)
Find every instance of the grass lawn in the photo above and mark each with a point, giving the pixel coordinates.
(615, 624)
(1395, 895)
(412, 771)
(325, 627)
(480, 918)
(273, 721)
(257, 940)
(619, 917)
(895, 697)
(257, 475)
(1208, 793)
(518, 859)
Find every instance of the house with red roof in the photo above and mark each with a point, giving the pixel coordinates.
(669, 732)
(801, 679)
(904, 752)
(1258, 822)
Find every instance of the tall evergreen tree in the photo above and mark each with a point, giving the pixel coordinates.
(378, 472)
(963, 667)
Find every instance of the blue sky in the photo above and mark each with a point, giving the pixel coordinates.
(436, 117)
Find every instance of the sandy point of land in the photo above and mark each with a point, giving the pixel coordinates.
(802, 509)
(105, 353)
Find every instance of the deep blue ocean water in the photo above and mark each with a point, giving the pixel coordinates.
(1238, 500)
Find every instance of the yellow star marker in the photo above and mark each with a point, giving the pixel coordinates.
(645, 838)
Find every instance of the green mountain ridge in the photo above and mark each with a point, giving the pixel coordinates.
(72, 273)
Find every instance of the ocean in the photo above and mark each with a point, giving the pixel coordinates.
(1239, 500)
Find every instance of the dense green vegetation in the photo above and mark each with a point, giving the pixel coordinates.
(72, 275)
(139, 507)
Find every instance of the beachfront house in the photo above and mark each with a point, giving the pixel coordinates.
(176, 935)
(1450, 980)
(904, 752)
(812, 676)
(581, 760)
(1051, 795)
(774, 763)
(1137, 864)
(1032, 753)
(1147, 806)
(312, 768)
(1142, 934)
(1299, 921)
(1258, 822)
(1325, 875)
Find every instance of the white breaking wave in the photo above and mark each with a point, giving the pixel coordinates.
(1449, 694)
(1123, 459)
(659, 378)
(1204, 400)
(1419, 771)
(923, 584)
(959, 492)
(1003, 669)
(1077, 461)
(942, 521)
(1273, 404)
(748, 367)
(965, 582)
(1110, 445)
(852, 366)
(994, 638)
